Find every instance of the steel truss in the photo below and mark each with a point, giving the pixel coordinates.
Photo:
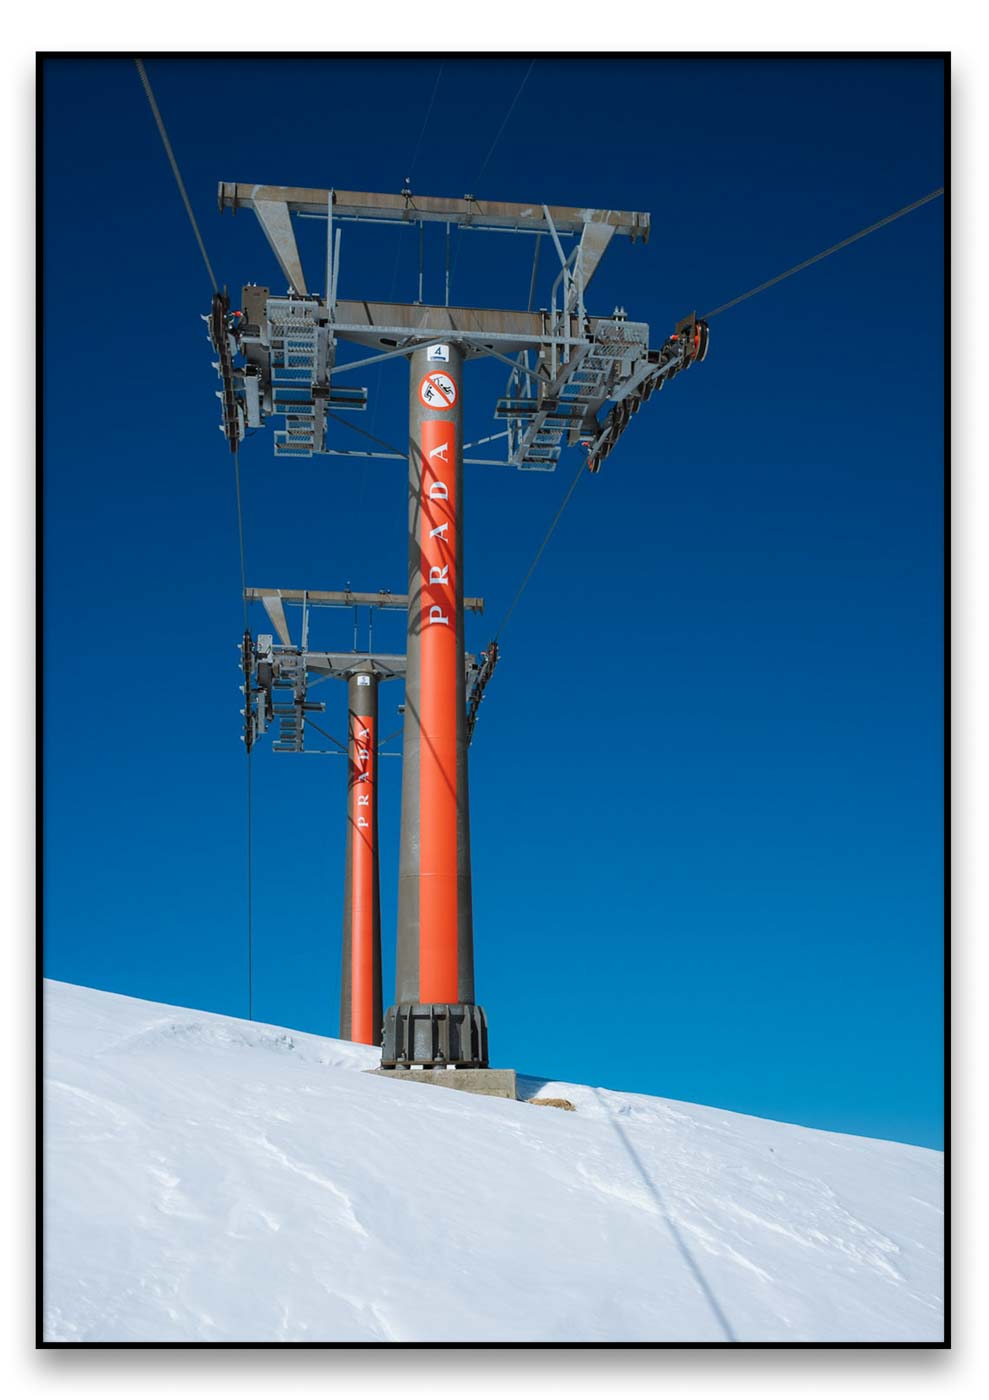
(575, 379)
(278, 675)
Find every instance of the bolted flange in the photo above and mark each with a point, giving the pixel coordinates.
(434, 1033)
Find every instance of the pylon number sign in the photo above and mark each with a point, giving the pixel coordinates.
(437, 390)
(438, 882)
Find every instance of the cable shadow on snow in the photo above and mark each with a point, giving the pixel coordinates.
(678, 1239)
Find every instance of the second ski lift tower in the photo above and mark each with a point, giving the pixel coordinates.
(574, 379)
(278, 678)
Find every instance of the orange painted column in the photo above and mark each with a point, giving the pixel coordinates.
(360, 987)
(441, 665)
(434, 1019)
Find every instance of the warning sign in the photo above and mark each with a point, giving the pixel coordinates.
(438, 390)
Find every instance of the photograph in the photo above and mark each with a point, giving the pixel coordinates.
(583, 417)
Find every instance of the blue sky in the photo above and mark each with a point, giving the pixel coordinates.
(706, 784)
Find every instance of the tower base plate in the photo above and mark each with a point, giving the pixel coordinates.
(434, 1035)
(497, 1083)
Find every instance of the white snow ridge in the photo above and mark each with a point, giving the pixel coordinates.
(215, 1180)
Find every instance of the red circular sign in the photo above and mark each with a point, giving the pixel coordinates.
(437, 390)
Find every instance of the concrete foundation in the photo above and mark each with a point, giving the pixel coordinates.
(497, 1083)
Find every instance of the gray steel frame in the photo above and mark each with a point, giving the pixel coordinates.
(298, 667)
(581, 362)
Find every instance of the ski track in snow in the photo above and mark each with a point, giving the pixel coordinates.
(210, 1179)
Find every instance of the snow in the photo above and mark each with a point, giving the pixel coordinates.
(209, 1179)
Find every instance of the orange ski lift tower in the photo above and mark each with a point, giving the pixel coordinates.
(575, 380)
(278, 676)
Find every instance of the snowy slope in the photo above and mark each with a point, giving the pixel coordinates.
(209, 1179)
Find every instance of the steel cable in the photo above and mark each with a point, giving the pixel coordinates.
(240, 534)
(504, 123)
(538, 555)
(763, 286)
(491, 151)
(398, 248)
(313, 725)
(250, 890)
(364, 433)
(425, 123)
(175, 170)
(250, 784)
(881, 223)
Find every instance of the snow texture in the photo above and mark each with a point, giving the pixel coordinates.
(215, 1180)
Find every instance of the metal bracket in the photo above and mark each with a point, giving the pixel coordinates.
(276, 224)
(581, 362)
